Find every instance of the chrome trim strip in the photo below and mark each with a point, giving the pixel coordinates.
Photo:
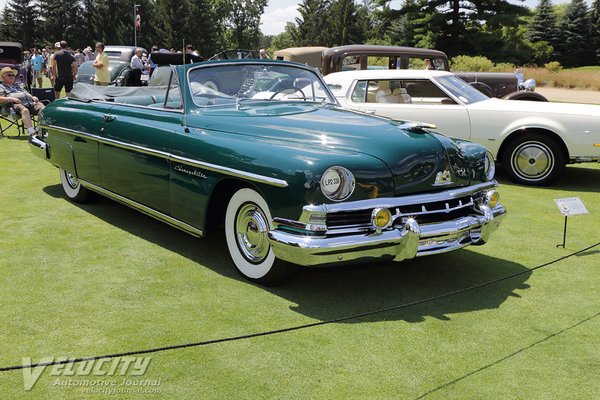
(171, 157)
(230, 171)
(146, 210)
(171, 110)
(392, 202)
(111, 142)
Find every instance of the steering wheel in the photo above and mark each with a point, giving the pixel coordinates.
(288, 88)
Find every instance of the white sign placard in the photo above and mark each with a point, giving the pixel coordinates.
(571, 206)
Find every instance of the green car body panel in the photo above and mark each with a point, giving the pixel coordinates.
(177, 162)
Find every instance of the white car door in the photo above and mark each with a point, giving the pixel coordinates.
(414, 100)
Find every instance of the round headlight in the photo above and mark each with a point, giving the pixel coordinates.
(489, 166)
(337, 183)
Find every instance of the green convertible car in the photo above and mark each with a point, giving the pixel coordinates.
(263, 149)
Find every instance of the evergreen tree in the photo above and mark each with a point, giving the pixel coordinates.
(8, 25)
(87, 32)
(456, 26)
(543, 26)
(574, 48)
(113, 22)
(62, 20)
(595, 21)
(312, 29)
(344, 23)
(410, 26)
(195, 22)
(21, 21)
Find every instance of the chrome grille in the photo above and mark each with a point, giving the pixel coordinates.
(423, 213)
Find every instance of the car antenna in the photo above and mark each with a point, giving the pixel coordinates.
(183, 91)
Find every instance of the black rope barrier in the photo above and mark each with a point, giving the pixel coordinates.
(293, 328)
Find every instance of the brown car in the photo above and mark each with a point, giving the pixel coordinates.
(359, 57)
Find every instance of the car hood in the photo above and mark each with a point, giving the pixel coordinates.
(417, 159)
(535, 107)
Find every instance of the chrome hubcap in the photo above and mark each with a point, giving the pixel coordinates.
(251, 230)
(71, 180)
(533, 160)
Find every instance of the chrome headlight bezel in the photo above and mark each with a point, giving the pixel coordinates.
(489, 166)
(337, 183)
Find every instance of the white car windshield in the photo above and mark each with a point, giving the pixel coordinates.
(230, 84)
(461, 89)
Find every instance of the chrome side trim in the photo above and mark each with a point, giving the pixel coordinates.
(171, 110)
(171, 157)
(230, 171)
(146, 210)
(583, 159)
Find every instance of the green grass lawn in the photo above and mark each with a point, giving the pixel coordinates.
(84, 280)
(593, 68)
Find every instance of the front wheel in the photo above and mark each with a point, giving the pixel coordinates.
(73, 189)
(533, 159)
(247, 224)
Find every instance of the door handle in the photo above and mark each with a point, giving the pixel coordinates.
(109, 118)
(370, 111)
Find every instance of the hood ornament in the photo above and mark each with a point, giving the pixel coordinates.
(443, 178)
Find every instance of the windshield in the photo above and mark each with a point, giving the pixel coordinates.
(461, 89)
(229, 84)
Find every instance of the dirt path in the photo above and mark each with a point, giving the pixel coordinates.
(570, 95)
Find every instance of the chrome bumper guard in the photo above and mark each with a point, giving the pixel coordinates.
(408, 240)
(39, 147)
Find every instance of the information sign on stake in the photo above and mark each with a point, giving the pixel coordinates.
(568, 207)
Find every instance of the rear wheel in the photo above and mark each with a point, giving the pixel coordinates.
(73, 189)
(533, 159)
(247, 224)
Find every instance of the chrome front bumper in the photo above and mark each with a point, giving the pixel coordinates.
(408, 240)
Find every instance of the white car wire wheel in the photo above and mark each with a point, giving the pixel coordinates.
(247, 224)
(73, 189)
(533, 159)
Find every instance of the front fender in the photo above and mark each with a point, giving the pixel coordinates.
(524, 95)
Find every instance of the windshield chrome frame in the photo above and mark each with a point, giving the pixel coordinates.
(209, 64)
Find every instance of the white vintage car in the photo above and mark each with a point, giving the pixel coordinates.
(532, 140)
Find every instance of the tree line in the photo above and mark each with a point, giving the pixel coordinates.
(502, 31)
(209, 25)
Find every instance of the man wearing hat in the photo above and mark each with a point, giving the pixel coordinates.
(89, 54)
(22, 102)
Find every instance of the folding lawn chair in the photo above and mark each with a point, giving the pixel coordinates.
(10, 119)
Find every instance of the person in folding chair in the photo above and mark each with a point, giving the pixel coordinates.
(23, 103)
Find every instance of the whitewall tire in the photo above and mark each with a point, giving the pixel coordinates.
(73, 189)
(247, 224)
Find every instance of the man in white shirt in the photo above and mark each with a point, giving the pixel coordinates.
(137, 65)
